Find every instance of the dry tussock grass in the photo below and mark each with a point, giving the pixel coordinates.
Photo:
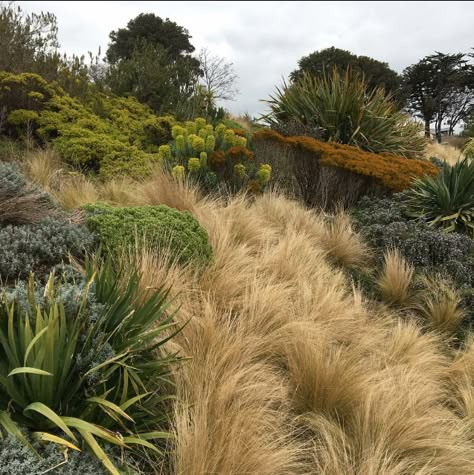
(444, 152)
(290, 370)
(395, 279)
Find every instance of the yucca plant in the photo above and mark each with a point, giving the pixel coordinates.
(345, 111)
(92, 375)
(446, 200)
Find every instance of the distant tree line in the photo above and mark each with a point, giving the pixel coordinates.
(437, 89)
(154, 60)
(151, 59)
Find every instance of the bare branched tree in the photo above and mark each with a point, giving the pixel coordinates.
(219, 77)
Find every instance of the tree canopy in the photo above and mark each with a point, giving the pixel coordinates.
(376, 73)
(440, 87)
(151, 29)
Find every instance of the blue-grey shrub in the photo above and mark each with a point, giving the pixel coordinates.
(38, 247)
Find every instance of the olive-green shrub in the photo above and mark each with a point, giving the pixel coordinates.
(103, 133)
(159, 226)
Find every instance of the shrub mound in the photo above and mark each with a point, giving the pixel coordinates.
(159, 226)
(328, 174)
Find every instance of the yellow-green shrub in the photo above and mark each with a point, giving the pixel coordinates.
(105, 134)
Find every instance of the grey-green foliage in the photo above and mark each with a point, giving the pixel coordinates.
(384, 224)
(38, 247)
(11, 180)
(17, 459)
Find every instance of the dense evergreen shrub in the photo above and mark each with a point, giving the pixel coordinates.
(159, 226)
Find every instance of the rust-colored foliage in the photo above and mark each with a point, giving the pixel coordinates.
(240, 132)
(239, 154)
(216, 160)
(394, 172)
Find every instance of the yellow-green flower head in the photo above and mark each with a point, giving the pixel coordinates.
(241, 141)
(220, 130)
(203, 134)
(200, 123)
(240, 170)
(198, 144)
(180, 144)
(190, 139)
(209, 129)
(264, 173)
(177, 130)
(194, 164)
(165, 151)
(210, 143)
(191, 127)
(203, 159)
(178, 172)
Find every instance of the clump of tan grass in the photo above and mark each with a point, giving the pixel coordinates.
(395, 278)
(445, 152)
(43, 167)
(75, 191)
(440, 304)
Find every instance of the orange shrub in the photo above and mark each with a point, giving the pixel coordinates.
(391, 171)
(238, 153)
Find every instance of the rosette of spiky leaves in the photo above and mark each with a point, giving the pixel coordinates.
(78, 379)
(342, 108)
(447, 199)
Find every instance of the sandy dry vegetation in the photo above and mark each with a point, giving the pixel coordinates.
(291, 369)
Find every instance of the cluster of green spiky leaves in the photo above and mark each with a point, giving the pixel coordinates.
(446, 200)
(343, 110)
(83, 378)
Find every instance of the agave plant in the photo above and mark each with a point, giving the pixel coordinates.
(88, 376)
(446, 200)
(345, 111)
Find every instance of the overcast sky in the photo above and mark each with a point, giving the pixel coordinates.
(264, 40)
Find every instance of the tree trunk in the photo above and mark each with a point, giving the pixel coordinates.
(427, 129)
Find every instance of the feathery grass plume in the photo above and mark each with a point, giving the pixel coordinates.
(75, 191)
(395, 279)
(444, 152)
(440, 304)
(43, 167)
(343, 244)
(119, 191)
(160, 188)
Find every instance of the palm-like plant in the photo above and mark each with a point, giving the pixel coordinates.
(75, 378)
(345, 111)
(446, 200)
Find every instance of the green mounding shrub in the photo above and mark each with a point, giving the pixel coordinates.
(159, 226)
(20, 201)
(38, 247)
(385, 225)
(82, 365)
(446, 200)
(341, 109)
(119, 133)
(18, 459)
